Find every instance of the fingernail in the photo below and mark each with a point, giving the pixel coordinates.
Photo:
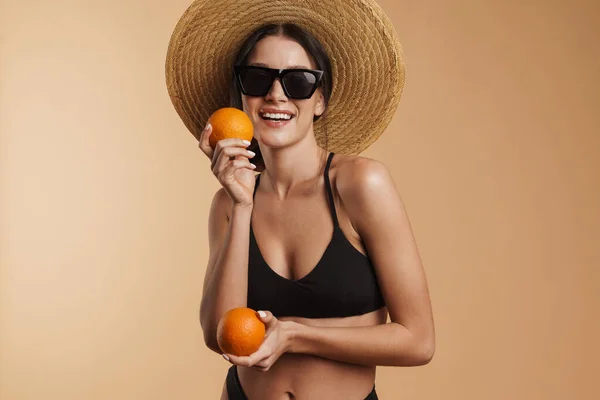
(207, 126)
(251, 153)
(262, 314)
(247, 143)
(252, 166)
(225, 357)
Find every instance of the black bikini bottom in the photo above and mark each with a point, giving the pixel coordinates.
(235, 391)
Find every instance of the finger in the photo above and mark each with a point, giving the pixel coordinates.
(231, 142)
(256, 358)
(203, 143)
(228, 154)
(242, 361)
(259, 357)
(266, 317)
(229, 171)
(264, 364)
(227, 175)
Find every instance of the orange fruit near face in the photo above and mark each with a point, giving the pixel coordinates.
(240, 332)
(229, 122)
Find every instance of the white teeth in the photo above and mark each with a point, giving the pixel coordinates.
(277, 116)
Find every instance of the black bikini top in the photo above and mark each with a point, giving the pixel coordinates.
(342, 283)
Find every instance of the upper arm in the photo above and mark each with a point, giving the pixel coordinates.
(218, 221)
(380, 218)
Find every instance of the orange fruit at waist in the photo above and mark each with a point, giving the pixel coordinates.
(229, 122)
(240, 332)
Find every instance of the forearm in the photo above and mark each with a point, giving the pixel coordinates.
(390, 344)
(227, 287)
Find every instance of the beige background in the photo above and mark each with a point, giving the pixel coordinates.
(104, 201)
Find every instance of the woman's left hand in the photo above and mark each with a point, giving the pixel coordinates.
(276, 342)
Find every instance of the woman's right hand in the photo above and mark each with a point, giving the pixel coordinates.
(230, 163)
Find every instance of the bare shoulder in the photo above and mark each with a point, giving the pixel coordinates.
(358, 178)
(221, 205)
(367, 193)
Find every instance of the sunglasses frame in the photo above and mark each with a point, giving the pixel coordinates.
(277, 74)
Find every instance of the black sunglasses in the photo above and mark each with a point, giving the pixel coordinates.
(297, 84)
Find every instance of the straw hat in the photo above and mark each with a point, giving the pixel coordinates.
(366, 60)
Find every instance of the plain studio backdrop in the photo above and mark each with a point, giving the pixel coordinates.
(105, 195)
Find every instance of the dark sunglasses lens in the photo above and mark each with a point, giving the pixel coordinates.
(255, 82)
(299, 84)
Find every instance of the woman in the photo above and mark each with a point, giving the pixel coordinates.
(319, 241)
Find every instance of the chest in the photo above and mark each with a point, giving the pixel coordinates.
(292, 235)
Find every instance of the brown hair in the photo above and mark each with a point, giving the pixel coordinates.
(312, 46)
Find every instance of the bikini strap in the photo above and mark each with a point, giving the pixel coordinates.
(256, 184)
(329, 191)
(327, 187)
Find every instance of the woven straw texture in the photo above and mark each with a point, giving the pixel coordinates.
(366, 57)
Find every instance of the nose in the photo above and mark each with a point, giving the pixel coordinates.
(276, 93)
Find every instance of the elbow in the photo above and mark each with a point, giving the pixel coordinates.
(209, 332)
(424, 350)
(424, 353)
(210, 339)
(212, 344)
(420, 351)
(419, 356)
(423, 345)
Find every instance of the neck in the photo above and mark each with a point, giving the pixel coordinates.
(288, 167)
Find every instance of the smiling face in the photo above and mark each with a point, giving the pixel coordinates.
(279, 121)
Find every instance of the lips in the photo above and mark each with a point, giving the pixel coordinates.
(276, 114)
(275, 118)
(272, 123)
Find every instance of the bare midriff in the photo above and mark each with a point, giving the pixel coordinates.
(306, 377)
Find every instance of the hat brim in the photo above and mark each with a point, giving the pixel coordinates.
(366, 58)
